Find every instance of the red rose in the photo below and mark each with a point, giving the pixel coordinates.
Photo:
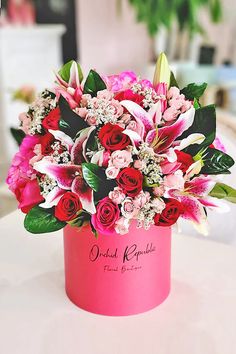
(186, 160)
(170, 214)
(130, 181)
(51, 121)
(68, 207)
(129, 95)
(46, 143)
(112, 138)
(107, 214)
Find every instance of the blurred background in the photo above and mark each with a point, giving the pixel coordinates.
(198, 36)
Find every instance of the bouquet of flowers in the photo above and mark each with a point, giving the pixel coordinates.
(111, 150)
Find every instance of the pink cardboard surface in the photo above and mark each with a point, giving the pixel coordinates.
(117, 275)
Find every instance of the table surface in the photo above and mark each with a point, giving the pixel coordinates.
(36, 317)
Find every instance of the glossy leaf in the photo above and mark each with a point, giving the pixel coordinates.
(40, 220)
(94, 83)
(173, 81)
(93, 175)
(70, 122)
(216, 162)
(194, 91)
(222, 191)
(18, 135)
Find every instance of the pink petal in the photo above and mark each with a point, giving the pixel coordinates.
(53, 197)
(193, 209)
(200, 186)
(168, 134)
(63, 174)
(74, 76)
(169, 167)
(155, 113)
(63, 138)
(139, 114)
(85, 194)
(78, 150)
(72, 103)
(217, 204)
(61, 81)
(134, 137)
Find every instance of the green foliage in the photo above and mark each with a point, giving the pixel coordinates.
(40, 220)
(222, 191)
(93, 175)
(159, 13)
(216, 162)
(70, 122)
(194, 91)
(18, 135)
(64, 72)
(94, 83)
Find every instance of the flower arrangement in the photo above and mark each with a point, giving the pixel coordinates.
(111, 150)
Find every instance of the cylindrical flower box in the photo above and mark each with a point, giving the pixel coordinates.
(117, 275)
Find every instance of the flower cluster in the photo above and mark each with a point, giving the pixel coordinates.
(116, 150)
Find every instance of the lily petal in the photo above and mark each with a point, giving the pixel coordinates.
(134, 137)
(216, 204)
(168, 134)
(195, 138)
(78, 150)
(155, 113)
(200, 186)
(85, 194)
(193, 170)
(63, 174)
(63, 138)
(139, 114)
(193, 209)
(74, 76)
(52, 198)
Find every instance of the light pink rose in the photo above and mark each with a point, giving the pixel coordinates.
(105, 94)
(174, 181)
(122, 226)
(159, 191)
(141, 199)
(91, 120)
(170, 114)
(173, 92)
(139, 164)
(120, 159)
(112, 172)
(119, 110)
(38, 154)
(25, 122)
(117, 196)
(125, 118)
(128, 209)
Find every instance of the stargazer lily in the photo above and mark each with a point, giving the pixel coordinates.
(69, 176)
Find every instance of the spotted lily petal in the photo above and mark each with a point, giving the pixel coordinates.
(139, 114)
(63, 174)
(168, 134)
(200, 186)
(193, 209)
(78, 153)
(85, 194)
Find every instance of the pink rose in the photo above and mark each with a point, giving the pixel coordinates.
(139, 164)
(106, 216)
(38, 154)
(170, 114)
(128, 209)
(105, 94)
(117, 196)
(112, 172)
(173, 92)
(90, 119)
(120, 159)
(159, 191)
(122, 226)
(25, 122)
(141, 199)
(118, 109)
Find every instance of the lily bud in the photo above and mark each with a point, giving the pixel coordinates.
(162, 71)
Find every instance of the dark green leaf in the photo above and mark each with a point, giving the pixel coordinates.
(80, 220)
(194, 91)
(94, 231)
(204, 123)
(18, 135)
(40, 220)
(70, 122)
(173, 81)
(64, 72)
(216, 162)
(94, 83)
(222, 191)
(93, 175)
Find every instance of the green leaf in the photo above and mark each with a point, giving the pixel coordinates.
(194, 91)
(18, 135)
(40, 220)
(94, 83)
(80, 220)
(70, 122)
(64, 72)
(93, 175)
(222, 191)
(216, 162)
(204, 123)
(173, 81)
